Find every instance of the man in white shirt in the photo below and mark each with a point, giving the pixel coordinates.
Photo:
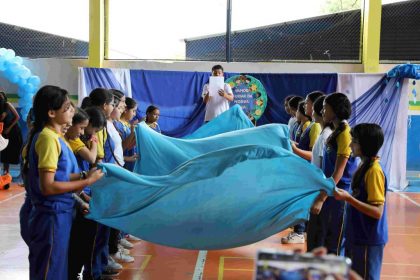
(215, 105)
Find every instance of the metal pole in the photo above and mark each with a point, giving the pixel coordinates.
(228, 31)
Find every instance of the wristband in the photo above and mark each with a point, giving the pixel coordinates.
(83, 175)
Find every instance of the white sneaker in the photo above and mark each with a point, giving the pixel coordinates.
(130, 237)
(124, 242)
(123, 250)
(120, 257)
(293, 238)
(112, 265)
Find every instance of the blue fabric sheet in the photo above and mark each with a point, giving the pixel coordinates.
(100, 77)
(230, 120)
(222, 191)
(154, 147)
(380, 105)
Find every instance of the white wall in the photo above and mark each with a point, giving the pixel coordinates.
(63, 72)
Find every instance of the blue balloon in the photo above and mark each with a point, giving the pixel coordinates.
(7, 63)
(35, 81)
(9, 54)
(11, 76)
(2, 62)
(26, 99)
(13, 67)
(14, 79)
(29, 88)
(7, 74)
(20, 91)
(21, 82)
(17, 59)
(24, 72)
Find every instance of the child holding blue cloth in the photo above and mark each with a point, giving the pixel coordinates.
(339, 164)
(126, 129)
(52, 174)
(366, 223)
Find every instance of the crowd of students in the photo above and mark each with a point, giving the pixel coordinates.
(66, 143)
(59, 163)
(353, 222)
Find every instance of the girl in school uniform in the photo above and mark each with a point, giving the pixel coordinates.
(310, 133)
(115, 239)
(102, 263)
(338, 164)
(292, 120)
(26, 208)
(366, 223)
(315, 234)
(51, 171)
(152, 116)
(126, 130)
(296, 128)
(82, 139)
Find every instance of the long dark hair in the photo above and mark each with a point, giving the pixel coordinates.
(47, 98)
(79, 116)
(341, 107)
(130, 103)
(315, 95)
(301, 109)
(86, 103)
(370, 138)
(97, 118)
(294, 102)
(118, 95)
(101, 96)
(150, 109)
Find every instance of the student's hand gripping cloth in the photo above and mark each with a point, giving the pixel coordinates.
(222, 199)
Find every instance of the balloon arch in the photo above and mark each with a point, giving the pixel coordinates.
(14, 71)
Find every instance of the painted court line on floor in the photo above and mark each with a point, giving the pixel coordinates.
(12, 197)
(199, 265)
(409, 199)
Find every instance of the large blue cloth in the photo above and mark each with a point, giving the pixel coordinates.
(160, 155)
(230, 120)
(223, 199)
(222, 191)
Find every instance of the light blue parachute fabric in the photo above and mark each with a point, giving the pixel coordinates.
(225, 198)
(160, 155)
(230, 120)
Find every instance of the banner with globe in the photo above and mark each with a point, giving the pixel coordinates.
(250, 94)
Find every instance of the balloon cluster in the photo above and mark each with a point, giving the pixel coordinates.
(14, 71)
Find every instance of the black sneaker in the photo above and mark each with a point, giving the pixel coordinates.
(109, 273)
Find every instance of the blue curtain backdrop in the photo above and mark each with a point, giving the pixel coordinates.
(178, 94)
(100, 77)
(380, 105)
